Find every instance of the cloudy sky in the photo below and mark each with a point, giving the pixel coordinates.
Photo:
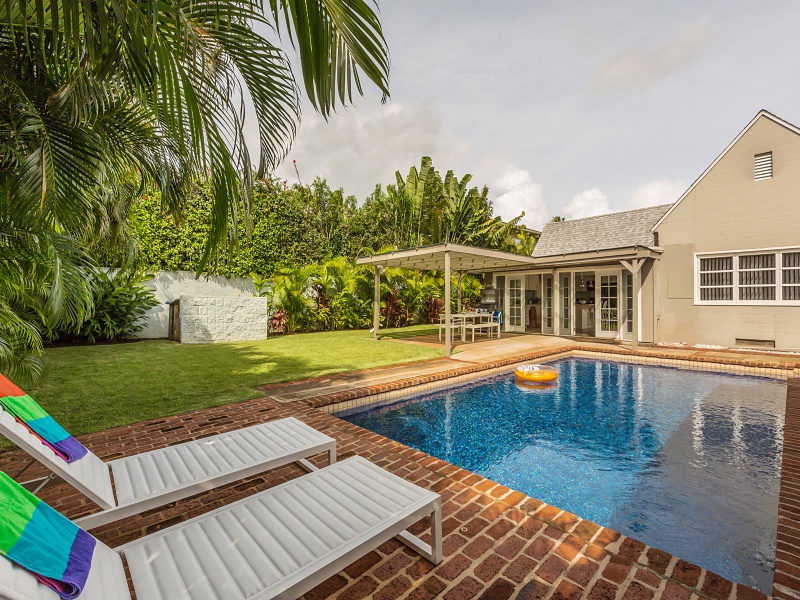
(563, 108)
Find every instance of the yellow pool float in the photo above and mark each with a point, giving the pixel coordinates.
(536, 373)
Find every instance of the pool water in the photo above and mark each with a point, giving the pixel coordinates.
(685, 461)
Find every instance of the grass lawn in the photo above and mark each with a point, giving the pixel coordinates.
(92, 388)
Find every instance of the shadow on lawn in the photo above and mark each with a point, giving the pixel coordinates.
(399, 334)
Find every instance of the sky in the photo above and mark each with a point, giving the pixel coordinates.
(562, 108)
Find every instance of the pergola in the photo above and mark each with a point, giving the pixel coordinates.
(442, 257)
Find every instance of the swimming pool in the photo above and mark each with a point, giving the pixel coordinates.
(685, 461)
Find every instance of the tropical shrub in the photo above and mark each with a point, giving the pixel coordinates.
(433, 309)
(277, 321)
(338, 294)
(121, 303)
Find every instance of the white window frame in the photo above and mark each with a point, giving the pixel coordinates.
(779, 268)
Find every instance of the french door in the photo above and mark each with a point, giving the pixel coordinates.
(607, 305)
(547, 304)
(515, 294)
(627, 312)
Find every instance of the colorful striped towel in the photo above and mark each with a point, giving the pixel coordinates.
(25, 410)
(39, 539)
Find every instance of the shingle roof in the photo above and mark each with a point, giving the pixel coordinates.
(605, 232)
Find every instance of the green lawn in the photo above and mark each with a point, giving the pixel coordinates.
(91, 388)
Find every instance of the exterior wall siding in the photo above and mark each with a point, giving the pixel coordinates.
(648, 319)
(728, 210)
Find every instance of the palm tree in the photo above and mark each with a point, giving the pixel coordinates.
(102, 97)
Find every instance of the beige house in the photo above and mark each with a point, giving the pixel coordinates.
(720, 266)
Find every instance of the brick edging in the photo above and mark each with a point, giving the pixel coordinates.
(786, 584)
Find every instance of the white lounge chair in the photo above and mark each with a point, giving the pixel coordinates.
(279, 543)
(152, 479)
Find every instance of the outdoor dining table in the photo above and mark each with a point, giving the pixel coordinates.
(474, 317)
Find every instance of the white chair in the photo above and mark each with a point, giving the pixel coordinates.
(456, 323)
(152, 479)
(279, 543)
(489, 326)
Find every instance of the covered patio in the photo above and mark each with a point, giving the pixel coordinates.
(449, 259)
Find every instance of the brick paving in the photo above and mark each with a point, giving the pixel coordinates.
(498, 543)
(787, 555)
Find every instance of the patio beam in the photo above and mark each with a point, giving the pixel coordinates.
(448, 317)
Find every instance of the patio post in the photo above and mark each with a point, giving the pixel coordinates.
(635, 269)
(637, 290)
(376, 309)
(448, 319)
(460, 277)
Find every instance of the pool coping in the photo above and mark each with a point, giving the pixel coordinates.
(786, 581)
(338, 402)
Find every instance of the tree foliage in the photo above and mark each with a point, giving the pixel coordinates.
(101, 98)
(426, 208)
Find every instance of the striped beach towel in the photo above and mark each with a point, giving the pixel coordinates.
(39, 539)
(25, 410)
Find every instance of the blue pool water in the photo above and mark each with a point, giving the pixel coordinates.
(685, 461)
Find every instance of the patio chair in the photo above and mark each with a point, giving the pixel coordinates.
(279, 543)
(456, 323)
(488, 326)
(151, 479)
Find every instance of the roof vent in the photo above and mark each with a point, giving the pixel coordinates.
(763, 166)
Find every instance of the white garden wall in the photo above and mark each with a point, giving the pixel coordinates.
(231, 319)
(169, 285)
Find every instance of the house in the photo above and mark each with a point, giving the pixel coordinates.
(720, 266)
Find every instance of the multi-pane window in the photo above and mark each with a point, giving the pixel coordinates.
(566, 298)
(716, 278)
(749, 278)
(790, 276)
(757, 277)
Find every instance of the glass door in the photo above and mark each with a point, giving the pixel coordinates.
(515, 319)
(547, 304)
(627, 316)
(608, 308)
(500, 282)
(566, 304)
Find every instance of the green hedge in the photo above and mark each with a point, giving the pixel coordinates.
(290, 226)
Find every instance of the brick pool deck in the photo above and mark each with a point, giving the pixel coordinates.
(498, 543)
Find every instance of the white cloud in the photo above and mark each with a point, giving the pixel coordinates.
(518, 192)
(361, 147)
(641, 68)
(589, 203)
(657, 191)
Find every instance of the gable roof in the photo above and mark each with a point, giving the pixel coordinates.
(604, 232)
(761, 113)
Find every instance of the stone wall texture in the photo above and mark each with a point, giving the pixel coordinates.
(222, 319)
(169, 285)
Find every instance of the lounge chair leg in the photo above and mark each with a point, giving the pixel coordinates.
(307, 465)
(436, 535)
(34, 486)
(432, 551)
(332, 456)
